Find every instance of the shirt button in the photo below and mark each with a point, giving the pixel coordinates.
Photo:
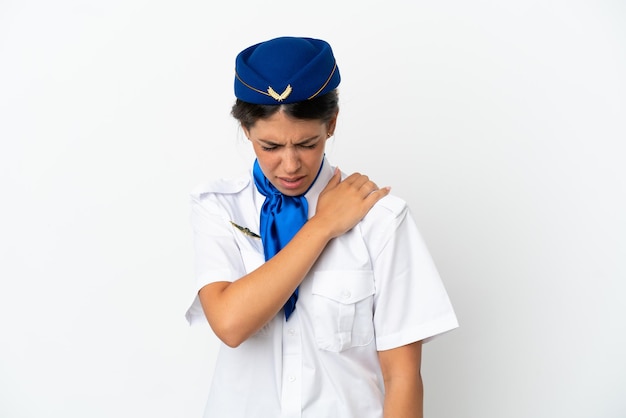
(346, 294)
(291, 331)
(292, 378)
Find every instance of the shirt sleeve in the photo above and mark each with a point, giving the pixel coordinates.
(216, 254)
(411, 302)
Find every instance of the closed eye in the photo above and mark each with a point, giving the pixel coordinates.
(268, 146)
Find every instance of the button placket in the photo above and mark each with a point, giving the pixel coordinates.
(291, 396)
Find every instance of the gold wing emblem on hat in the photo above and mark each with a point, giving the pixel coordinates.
(282, 96)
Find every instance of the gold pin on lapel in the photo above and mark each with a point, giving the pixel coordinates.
(245, 230)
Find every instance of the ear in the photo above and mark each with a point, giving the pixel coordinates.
(331, 125)
(246, 131)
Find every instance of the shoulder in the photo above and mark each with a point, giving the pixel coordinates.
(222, 186)
(385, 217)
(390, 207)
(389, 220)
(224, 197)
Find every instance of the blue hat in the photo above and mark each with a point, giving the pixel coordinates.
(285, 70)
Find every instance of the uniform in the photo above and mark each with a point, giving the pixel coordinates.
(373, 288)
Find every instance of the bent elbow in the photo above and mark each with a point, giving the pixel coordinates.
(229, 334)
(227, 327)
(231, 341)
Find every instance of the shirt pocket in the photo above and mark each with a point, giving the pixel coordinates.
(343, 309)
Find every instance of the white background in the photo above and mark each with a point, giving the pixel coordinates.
(501, 123)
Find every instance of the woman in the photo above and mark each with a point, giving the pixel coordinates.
(318, 284)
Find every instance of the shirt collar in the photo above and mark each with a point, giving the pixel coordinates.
(326, 173)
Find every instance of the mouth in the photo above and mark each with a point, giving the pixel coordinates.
(291, 183)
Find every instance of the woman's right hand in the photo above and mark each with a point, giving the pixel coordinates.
(342, 204)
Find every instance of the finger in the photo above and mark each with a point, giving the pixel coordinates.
(334, 180)
(358, 181)
(367, 188)
(376, 195)
(354, 179)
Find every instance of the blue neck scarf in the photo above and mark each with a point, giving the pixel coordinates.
(281, 218)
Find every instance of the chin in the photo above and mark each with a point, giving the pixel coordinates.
(291, 192)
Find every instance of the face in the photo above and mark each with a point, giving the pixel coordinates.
(290, 151)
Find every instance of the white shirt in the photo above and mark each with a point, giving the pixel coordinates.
(373, 288)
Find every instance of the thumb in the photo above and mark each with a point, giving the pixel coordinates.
(334, 180)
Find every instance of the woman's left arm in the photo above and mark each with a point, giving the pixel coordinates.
(404, 392)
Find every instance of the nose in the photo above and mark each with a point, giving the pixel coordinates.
(291, 160)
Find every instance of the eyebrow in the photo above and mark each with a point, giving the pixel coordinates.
(303, 142)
